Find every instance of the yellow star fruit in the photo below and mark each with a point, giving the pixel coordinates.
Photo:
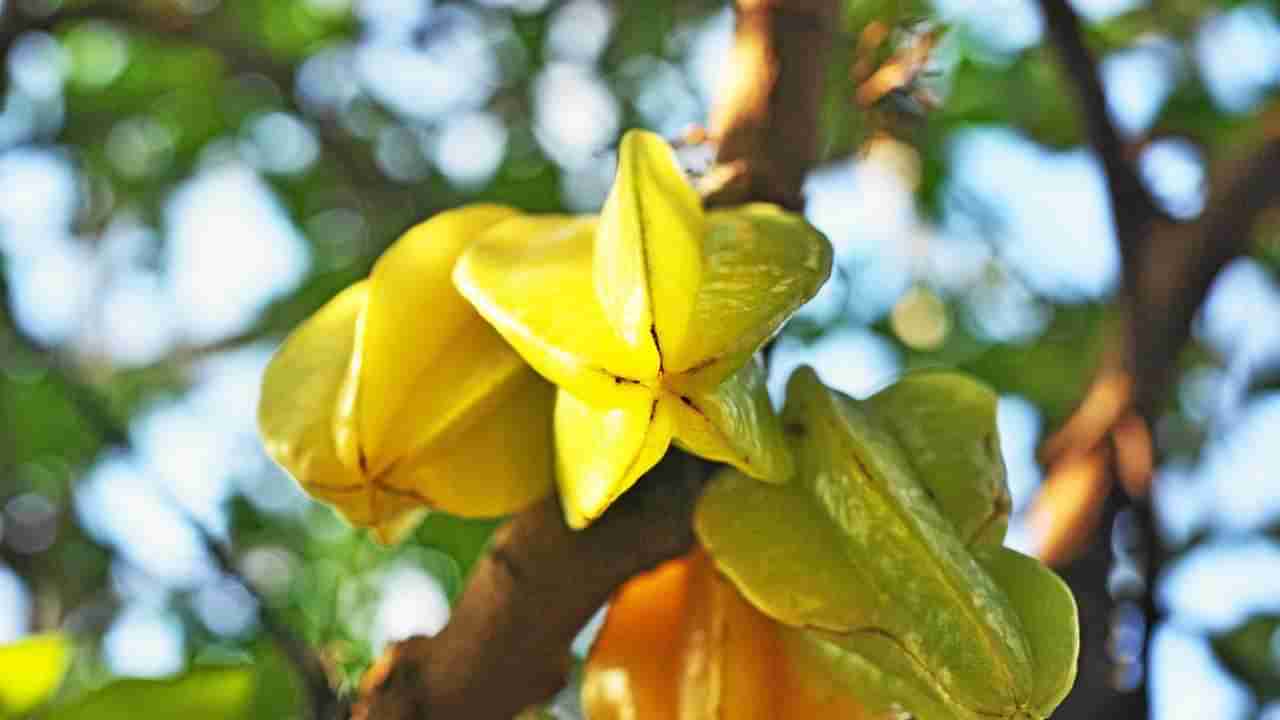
(648, 317)
(396, 396)
(886, 560)
(680, 643)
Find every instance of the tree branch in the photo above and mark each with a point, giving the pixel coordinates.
(507, 643)
(1168, 270)
(764, 122)
(506, 646)
(1132, 207)
(1181, 266)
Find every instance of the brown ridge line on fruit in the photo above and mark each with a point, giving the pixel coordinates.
(403, 492)
(653, 411)
(704, 364)
(724, 438)
(648, 275)
(1002, 506)
(336, 488)
(653, 333)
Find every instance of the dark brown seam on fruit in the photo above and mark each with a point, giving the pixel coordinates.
(794, 429)
(653, 411)
(401, 492)
(648, 281)
(653, 332)
(703, 364)
(746, 457)
(1002, 506)
(335, 488)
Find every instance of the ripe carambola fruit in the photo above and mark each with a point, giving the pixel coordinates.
(396, 396)
(680, 643)
(894, 586)
(647, 319)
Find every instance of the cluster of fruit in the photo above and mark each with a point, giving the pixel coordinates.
(851, 557)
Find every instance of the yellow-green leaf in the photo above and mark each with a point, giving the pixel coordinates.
(31, 670)
(204, 694)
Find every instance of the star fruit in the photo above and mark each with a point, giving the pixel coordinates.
(680, 643)
(886, 562)
(647, 318)
(396, 396)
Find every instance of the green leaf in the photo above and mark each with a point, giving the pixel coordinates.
(1250, 653)
(462, 539)
(31, 671)
(221, 693)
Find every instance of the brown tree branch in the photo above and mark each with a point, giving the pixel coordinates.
(1168, 269)
(772, 80)
(1179, 268)
(1132, 207)
(507, 642)
(1109, 434)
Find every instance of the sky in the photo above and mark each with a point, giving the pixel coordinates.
(143, 291)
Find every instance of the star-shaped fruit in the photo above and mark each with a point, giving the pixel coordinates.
(884, 555)
(648, 318)
(679, 642)
(396, 396)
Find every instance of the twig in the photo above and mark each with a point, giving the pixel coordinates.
(324, 702)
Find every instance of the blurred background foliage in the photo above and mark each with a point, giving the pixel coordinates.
(182, 181)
